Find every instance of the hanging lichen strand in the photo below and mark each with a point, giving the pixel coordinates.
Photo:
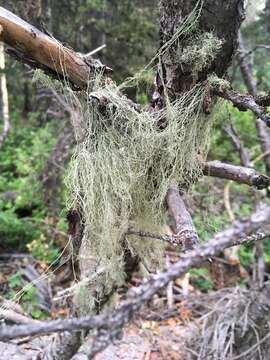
(122, 169)
(124, 164)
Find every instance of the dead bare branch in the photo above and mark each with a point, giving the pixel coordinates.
(184, 229)
(172, 239)
(38, 50)
(243, 152)
(240, 174)
(243, 102)
(138, 296)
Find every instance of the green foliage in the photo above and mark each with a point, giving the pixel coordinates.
(29, 299)
(201, 278)
(15, 280)
(222, 147)
(246, 255)
(266, 245)
(207, 226)
(42, 250)
(21, 158)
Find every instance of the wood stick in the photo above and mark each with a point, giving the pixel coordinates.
(108, 323)
(240, 174)
(39, 50)
(184, 229)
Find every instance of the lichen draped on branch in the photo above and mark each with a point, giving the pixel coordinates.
(124, 163)
(122, 169)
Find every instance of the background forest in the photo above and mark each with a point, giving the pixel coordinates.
(35, 153)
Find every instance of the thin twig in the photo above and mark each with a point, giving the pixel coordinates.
(243, 152)
(172, 239)
(93, 52)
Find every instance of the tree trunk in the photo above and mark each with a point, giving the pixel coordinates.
(223, 18)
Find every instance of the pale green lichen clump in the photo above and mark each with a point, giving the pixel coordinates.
(201, 52)
(122, 169)
(123, 166)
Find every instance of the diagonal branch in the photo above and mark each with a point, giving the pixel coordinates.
(38, 50)
(243, 152)
(240, 174)
(243, 102)
(138, 296)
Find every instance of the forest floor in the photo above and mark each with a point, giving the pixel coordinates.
(159, 332)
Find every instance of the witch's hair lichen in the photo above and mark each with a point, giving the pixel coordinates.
(121, 171)
(217, 82)
(122, 168)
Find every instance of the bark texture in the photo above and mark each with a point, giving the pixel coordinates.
(184, 229)
(219, 17)
(39, 50)
(240, 174)
(223, 18)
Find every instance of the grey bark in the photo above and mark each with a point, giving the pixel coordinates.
(240, 174)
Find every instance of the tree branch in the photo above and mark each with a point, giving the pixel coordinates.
(240, 174)
(184, 229)
(243, 152)
(38, 50)
(4, 96)
(138, 296)
(250, 82)
(243, 102)
(172, 239)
